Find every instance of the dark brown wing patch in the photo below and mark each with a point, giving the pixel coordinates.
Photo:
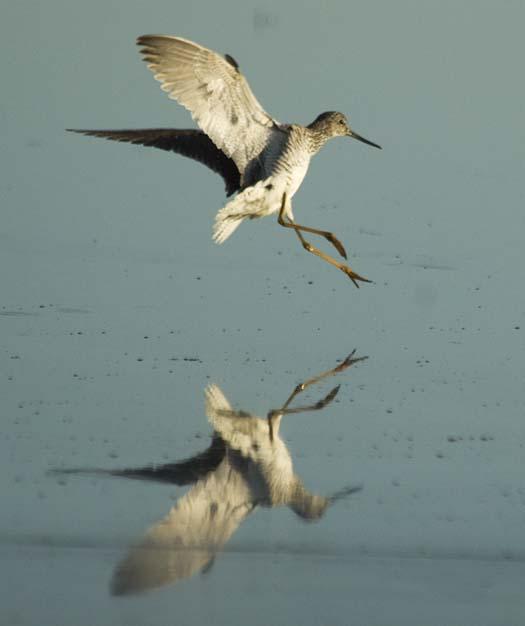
(188, 142)
(232, 61)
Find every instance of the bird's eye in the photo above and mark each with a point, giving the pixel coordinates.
(341, 121)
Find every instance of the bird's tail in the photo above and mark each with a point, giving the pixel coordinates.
(225, 224)
(215, 400)
(256, 201)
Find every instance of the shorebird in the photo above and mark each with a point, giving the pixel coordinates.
(260, 159)
(247, 465)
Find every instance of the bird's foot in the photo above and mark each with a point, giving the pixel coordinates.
(349, 361)
(353, 276)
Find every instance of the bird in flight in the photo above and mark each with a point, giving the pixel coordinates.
(261, 160)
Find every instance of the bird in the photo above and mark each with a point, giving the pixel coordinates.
(246, 466)
(261, 160)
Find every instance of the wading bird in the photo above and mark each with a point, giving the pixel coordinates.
(261, 159)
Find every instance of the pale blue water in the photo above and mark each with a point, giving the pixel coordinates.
(118, 310)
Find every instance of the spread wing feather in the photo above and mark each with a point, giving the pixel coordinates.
(214, 91)
(191, 143)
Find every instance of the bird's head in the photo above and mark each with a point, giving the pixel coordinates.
(310, 507)
(335, 124)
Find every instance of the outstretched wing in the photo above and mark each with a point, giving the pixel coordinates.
(215, 92)
(188, 538)
(189, 142)
(179, 473)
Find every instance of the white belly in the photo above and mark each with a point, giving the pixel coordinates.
(297, 175)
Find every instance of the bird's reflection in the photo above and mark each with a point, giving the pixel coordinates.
(246, 465)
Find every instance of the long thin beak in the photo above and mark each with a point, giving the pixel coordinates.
(359, 138)
(343, 493)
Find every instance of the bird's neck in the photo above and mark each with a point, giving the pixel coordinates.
(316, 138)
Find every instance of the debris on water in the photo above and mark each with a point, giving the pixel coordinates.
(486, 437)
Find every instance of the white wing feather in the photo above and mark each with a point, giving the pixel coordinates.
(214, 91)
(186, 540)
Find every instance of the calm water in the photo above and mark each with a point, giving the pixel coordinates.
(118, 313)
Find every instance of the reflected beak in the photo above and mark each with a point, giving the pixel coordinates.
(351, 133)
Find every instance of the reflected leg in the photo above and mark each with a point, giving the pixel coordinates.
(348, 362)
(284, 410)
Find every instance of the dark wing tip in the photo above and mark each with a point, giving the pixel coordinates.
(143, 40)
(148, 44)
(232, 61)
(82, 131)
(90, 133)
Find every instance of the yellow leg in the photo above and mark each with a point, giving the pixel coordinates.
(307, 229)
(353, 276)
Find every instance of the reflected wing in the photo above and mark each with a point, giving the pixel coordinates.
(188, 538)
(182, 473)
(189, 142)
(215, 92)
